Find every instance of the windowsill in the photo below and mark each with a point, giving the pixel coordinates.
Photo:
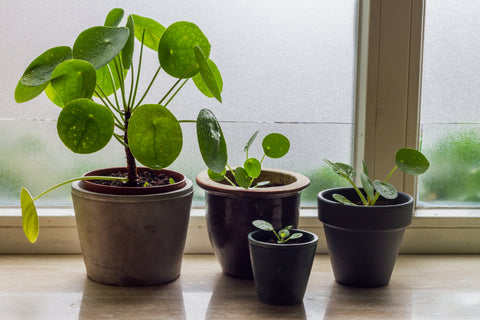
(56, 287)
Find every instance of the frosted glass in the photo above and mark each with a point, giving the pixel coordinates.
(287, 66)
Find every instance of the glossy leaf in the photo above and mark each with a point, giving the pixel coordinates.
(100, 45)
(176, 50)
(85, 126)
(242, 178)
(250, 141)
(74, 79)
(342, 169)
(296, 235)
(127, 52)
(367, 185)
(211, 141)
(275, 145)
(342, 199)
(253, 167)
(208, 76)
(153, 31)
(202, 86)
(25, 93)
(114, 17)
(385, 189)
(411, 161)
(154, 136)
(263, 225)
(29, 216)
(216, 176)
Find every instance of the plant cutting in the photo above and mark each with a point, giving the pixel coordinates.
(281, 262)
(96, 85)
(364, 226)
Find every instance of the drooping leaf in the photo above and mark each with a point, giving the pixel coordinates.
(211, 141)
(275, 145)
(250, 141)
(176, 50)
(29, 216)
(202, 86)
(85, 126)
(263, 225)
(114, 17)
(385, 189)
(253, 167)
(342, 199)
(367, 185)
(74, 79)
(151, 30)
(242, 178)
(411, 161)
(100, 45)
(154, 136)
(216, 176)
(209, 77)
(127, 52)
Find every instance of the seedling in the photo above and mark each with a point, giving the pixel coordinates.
(407, 160)
(275, 145)
(282, 235)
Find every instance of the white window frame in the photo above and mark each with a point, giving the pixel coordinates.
(389, 63)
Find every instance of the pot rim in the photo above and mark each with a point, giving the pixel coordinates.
(321, 195)
(282, 246)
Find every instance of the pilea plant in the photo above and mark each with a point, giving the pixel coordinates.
(407, 160)
(275, 145)
(89, 82)
(282, 235)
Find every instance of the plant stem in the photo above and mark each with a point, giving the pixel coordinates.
(377, 195)
(131, 164)
(148, 88)
(166, 104)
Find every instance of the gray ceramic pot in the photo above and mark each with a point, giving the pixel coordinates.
(132, 240)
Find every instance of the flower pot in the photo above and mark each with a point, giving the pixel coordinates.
(230, 211)
(363, 242)
(132, 240)
(281, 271)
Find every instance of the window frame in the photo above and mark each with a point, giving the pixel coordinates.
(388, 91)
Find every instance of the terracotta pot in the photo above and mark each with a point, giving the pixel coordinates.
(132, 240)
(363, 242)
(281, 271)
(230, 211)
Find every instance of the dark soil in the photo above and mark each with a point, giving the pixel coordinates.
(145, 179)
(291, 241)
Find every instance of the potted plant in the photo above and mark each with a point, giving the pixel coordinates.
(237, 196)
(132, 221)
(281, 262)
(364, 226)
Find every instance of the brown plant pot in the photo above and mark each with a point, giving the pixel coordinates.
(132, 240)
(230, 211)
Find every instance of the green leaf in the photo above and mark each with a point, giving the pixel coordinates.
(342, 169)
(250, 141)
(385, 189)
(127, 52)
(74, 79)
(29, 216)
(100, 45)
(275, 145)
(25, 93)
(283, 234)
(342, 199)
(367, 185)
(263, 225)
(262, 184)
(211, 141)
(202, 86)
(114, 17)
(153, 31)
(207, 74)
(216, 176)
(53, 96)
(85, 126)
(411, 161)
(154, 136)
(242, 178)
(104, 78)
(365, 168)
(296, 235)
(253, 167)
(176, 50)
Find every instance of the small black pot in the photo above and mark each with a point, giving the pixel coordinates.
(281, 271)
(363, 242)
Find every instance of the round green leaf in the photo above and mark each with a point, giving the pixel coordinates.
(114, 17)
(242, 178)
(29, 216)
(253, 167)
(211, 141)
(411, 161)
(263, 225)
(216, 176)
(154, 136)
(275, 145)
(209, 78)
(100, 45)
(202, 86)
(152, 29)
(85, 126)
(74, 79)
(176, 50)
(385, 189)
(296, 235)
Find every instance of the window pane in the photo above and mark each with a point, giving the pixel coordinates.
(287, 67)
(450, 95)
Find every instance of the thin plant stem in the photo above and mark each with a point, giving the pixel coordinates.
(173, 96)
(138, 72)
(169, 91)
(149, 86)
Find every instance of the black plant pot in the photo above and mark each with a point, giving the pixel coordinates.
(363, 242)
(281, 271)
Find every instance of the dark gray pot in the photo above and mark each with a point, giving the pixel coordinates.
(281, 271)
(363, 242)
(132, 240)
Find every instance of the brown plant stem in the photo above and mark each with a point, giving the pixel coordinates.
(131, 164)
